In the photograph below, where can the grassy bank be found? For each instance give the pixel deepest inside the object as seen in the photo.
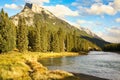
(25, 66)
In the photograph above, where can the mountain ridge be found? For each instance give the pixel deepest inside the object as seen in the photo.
(52, 22)
(30, 9)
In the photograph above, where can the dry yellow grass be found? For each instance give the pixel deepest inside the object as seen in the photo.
(25, 66)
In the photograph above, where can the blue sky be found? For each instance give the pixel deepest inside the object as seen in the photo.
(100, 16)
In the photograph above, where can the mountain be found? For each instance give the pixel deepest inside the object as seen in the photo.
(28, 12)
(33, 12)
(31, 9)
(89, 32)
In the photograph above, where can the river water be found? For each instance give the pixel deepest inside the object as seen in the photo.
(99, 64)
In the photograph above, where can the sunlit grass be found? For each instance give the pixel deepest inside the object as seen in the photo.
(25, 66)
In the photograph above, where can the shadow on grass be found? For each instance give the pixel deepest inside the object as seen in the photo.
(71, 78)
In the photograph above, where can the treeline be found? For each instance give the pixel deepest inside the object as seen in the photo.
(112, 47)
(39, 38)
(7, 33)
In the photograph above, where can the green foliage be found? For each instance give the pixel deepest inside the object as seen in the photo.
(22, 36)
(69, 43)
(37, 37)
(55, 43)
(7, 33)
(44, 40)
(45, 35)
(61, 35)
(112, 47)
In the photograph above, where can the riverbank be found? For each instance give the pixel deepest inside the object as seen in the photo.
(25, 66)
(87, 77)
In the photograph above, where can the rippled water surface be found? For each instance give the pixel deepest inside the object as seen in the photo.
(100, 64)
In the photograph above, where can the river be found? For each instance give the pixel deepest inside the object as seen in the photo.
(99, 64)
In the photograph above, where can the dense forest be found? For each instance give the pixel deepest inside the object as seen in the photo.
(39, 38)
(112, 47)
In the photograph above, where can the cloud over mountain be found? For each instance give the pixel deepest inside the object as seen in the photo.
(13, 6)
(63, 11)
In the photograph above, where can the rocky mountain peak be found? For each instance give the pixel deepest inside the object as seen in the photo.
(37, 9)
(34, 7)
(28, 13)
(29, 5)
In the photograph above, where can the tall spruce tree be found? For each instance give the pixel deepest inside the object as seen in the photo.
(49, 40)
(44, 40)
(75, 40)
(22, 35)
(67, 43)
(37, 38)
(7, 33)
(55, 43)
(31, 38)
(61, 36)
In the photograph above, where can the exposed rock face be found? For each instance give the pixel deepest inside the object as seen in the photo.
(91, 33)
(28, 5)
(88, 32)
(28, 13)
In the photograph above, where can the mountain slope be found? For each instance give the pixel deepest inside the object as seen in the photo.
(33, 12)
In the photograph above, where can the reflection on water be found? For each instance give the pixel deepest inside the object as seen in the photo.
(100, 64)
(58, 61)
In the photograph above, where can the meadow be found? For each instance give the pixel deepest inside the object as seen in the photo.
(25, 66)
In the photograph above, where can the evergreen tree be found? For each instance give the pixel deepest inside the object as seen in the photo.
(61, 36)
(31, 38)
(7, 33)
(49, 40)
(37, 38)
(67, 43)
(22, 35)
(75, 40)
(44, 40)
(55, 43)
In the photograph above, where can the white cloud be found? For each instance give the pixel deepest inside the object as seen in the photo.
(116, 4)
(13, 6)
(38, 1)
(61, 11)
(99, 9)
(111, 34)
(84, 22)
(118, 20)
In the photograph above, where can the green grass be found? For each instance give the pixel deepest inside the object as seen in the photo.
(25, 66)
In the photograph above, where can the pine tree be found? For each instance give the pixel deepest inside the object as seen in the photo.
(61, 36)
(75, 40)
(49, 40)
(37, 38)
(55, 43)
(22, 36)
(44, 40)
(31, 38)
(7, 33)
(68, 43)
